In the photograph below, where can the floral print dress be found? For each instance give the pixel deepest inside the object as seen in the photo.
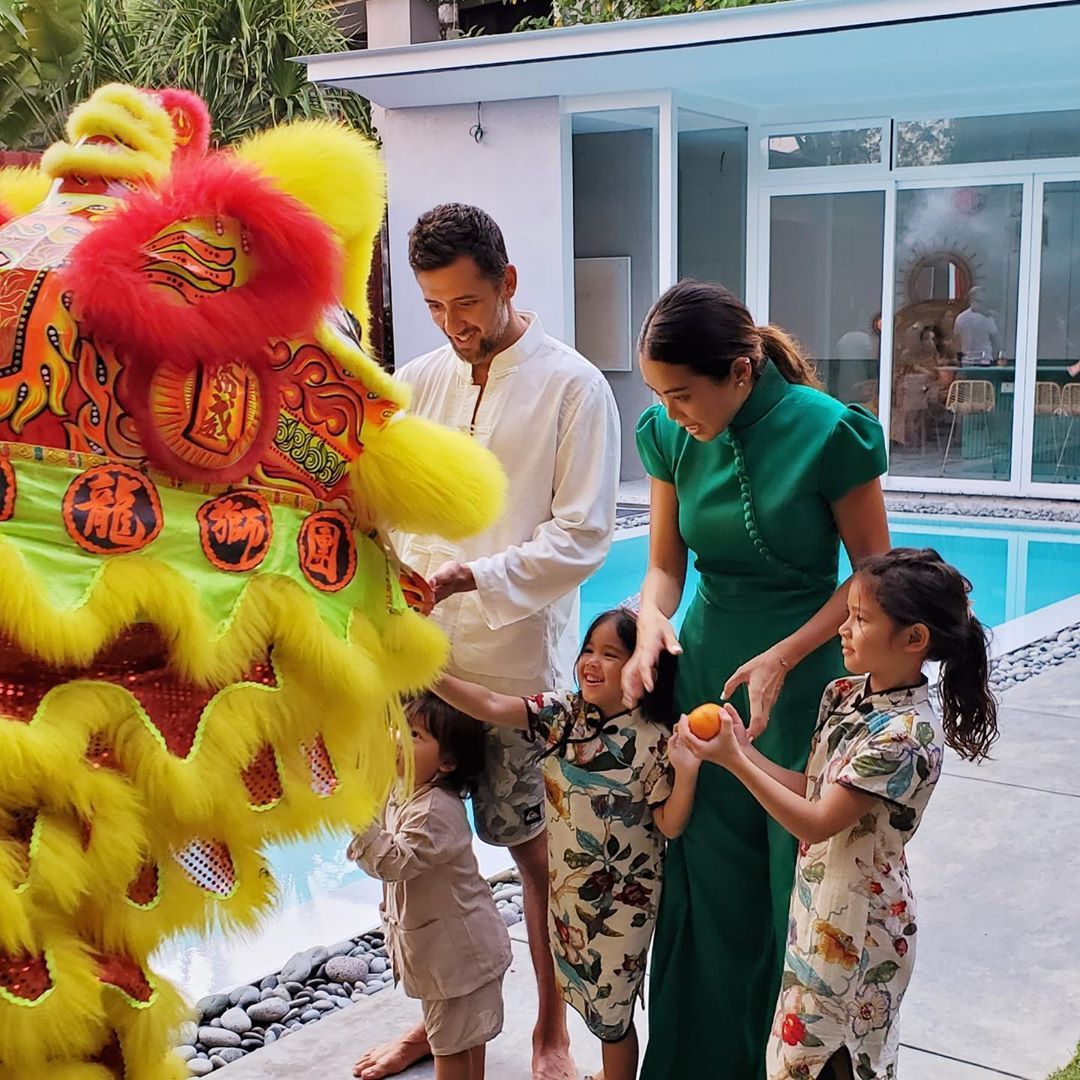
(604, 851)
(851, 940)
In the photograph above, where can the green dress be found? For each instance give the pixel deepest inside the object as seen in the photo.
(755, 510)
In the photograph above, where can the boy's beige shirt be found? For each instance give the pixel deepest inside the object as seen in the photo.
(444, 935)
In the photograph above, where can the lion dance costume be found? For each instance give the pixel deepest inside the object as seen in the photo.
(203, 638)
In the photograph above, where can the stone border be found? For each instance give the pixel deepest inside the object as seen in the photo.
(1007, 509)
(899, 502)
(312, 984)
(1025, 663)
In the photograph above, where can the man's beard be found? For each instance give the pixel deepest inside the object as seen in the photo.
(488, 346)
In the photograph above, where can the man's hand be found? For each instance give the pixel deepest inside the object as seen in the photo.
(452, 577)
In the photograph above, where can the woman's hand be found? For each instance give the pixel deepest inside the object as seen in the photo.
(655, 635)
(764, 677)
(724, 748)
(682, 758)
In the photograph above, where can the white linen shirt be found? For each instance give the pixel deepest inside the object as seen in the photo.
(550, 418)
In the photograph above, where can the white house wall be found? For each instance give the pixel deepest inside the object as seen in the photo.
(514, 173)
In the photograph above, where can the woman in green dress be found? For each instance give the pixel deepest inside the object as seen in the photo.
(761, 475)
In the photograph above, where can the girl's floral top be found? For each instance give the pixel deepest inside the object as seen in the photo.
(604, 851)
(851, 935)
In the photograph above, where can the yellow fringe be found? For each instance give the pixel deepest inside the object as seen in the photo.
(21, 190)
(419, 477)
(155, 804)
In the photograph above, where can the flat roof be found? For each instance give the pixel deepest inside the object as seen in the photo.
(755, 62)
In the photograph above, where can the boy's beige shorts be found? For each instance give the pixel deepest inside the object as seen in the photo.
(456, 1024)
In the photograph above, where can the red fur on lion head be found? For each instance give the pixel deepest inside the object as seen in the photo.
(190, 119)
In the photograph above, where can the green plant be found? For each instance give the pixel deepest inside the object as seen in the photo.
(570, 12)
(234, 53)
(41, 60)
(1071, 1071)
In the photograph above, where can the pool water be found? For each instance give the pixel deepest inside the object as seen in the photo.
(1014, 570)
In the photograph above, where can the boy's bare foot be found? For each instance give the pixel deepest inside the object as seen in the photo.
(553, 1063)
(389, 1059)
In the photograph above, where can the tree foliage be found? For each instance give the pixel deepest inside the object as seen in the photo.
(234, 53)
(571, 12)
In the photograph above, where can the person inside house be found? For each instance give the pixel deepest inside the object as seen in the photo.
(976, 331)
(508, 599)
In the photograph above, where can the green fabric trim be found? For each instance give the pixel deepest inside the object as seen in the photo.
(70, 574)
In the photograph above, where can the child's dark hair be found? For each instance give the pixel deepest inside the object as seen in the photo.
(460, 738)
(657, 706)
(914, 585)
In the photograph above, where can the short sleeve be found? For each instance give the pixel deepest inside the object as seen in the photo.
(890, 764)
(654, 454)
(550, 715)
(659, 781)
(854, 453)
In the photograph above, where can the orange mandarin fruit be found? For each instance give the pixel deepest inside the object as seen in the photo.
(704, 721)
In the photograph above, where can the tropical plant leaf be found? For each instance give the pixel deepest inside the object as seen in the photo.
(233, 53)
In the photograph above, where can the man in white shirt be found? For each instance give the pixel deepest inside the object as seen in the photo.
(508, 599)
(976, 332)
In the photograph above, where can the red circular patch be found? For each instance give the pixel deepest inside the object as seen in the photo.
(327, 550)
(207, 419)
(7, 489)
(236, 530)
(112, 509)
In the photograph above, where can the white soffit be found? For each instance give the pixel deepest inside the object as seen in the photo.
(838, 57)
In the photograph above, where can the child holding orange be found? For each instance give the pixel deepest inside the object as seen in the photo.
(875, 759)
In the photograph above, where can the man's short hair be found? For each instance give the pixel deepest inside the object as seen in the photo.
(443, 235)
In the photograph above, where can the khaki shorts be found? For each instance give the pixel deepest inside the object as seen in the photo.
(456, 1024)
(508, 806)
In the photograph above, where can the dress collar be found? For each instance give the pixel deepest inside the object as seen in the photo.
(899, 697)
(769, 388)
(517, 354)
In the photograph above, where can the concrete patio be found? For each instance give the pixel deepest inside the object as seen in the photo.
(996, 867)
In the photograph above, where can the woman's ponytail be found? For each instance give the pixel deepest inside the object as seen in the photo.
(784, 351)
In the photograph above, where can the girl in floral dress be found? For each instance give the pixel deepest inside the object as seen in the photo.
(618, 781)
(875, 759)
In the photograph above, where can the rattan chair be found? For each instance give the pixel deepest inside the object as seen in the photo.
(968, 397)
(1070, 407)
(1048, 403)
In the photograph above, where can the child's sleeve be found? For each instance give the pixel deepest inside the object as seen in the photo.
(550, 715)
(423, 839)
(891, 763)
(660, 779)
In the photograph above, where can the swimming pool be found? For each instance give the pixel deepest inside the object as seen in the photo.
(1016, 569)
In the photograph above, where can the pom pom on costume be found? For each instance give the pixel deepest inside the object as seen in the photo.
(203, 635)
